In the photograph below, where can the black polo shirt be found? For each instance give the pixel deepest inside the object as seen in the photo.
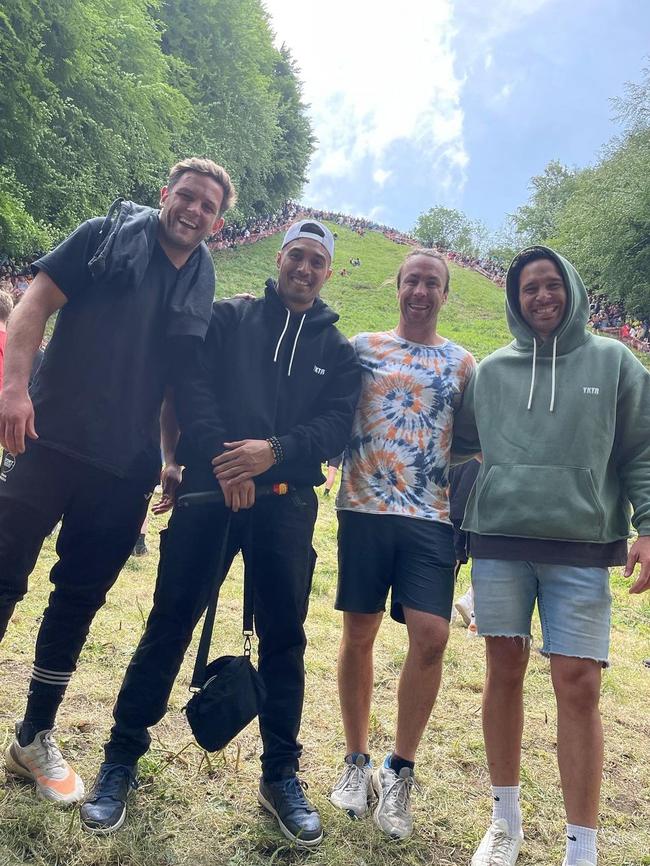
(98, 392)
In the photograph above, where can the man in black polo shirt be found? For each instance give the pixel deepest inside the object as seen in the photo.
(134, 292)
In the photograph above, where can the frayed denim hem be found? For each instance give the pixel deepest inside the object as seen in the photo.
(604, 663)
(526, 639)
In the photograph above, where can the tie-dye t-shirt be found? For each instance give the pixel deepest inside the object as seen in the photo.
(397, 461)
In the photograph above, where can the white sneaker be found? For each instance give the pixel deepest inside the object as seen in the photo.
(465, 606)
(42, 762)
(393, 812)
(498, 847)
(353, 789)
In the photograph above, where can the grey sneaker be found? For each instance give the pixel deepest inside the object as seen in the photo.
(498, 847)
(393, 812)
(42, 763)
(353, 790)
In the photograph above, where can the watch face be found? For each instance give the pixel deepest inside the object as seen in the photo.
(8, 463)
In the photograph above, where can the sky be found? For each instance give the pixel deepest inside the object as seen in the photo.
(456, 102)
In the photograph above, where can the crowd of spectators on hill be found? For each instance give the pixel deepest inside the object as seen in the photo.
(254, 229)
(610, 317)
(15, 277)
(360, 225)
(490, 268)
(604, 315)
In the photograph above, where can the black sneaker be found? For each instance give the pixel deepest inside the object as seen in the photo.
(298, 819)
(104, 810)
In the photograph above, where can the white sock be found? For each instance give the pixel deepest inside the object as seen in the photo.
(505, 804)
(580, 844)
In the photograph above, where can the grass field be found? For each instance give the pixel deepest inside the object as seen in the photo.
(201, 810)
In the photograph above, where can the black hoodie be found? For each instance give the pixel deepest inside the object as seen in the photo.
(265, 372)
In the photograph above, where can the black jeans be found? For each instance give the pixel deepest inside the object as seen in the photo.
(101, 518)
(275, 537)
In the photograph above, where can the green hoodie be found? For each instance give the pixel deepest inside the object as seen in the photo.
(564, 428)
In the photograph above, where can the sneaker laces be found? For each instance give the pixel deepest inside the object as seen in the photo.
(353, 778)
(109, 782)
(49, 756)
(294, 789)
(501, 848)
(398, 794)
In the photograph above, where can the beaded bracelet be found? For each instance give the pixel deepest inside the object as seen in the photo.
(276, 448)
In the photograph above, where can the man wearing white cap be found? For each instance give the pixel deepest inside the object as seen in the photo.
(268, 397)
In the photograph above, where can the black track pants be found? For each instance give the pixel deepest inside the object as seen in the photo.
(101, 518)
(276, 539)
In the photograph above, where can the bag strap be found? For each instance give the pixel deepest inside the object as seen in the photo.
(198, 675)
(247, 621)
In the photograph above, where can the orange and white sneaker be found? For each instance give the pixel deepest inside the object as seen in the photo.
(42, 762)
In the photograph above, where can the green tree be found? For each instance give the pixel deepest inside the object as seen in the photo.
(447, 229)
(536, 222)
(87, 107)
(633, 109)
(296, 142)
(246, 107)
(605, 227)
(20, 233)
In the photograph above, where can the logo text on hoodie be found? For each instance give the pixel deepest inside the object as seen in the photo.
(591, 390)
(319, 370)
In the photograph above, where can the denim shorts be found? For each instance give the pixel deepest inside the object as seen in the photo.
(574, 605)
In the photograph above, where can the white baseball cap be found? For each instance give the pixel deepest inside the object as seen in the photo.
(313, 230)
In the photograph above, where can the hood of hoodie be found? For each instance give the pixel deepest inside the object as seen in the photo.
(571, 332)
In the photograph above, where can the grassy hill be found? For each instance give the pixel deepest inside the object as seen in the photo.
(365, 298)
(200, 810)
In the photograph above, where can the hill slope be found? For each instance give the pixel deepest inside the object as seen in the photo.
(365, 299)
(199, 810)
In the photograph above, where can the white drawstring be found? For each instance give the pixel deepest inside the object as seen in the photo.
(277, 348)
(532, 378)
(552, 406)
(295, 342)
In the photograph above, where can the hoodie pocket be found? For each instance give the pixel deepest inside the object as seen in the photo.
(550, 502)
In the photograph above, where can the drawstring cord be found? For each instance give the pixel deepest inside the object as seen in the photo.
(552, 405)
(277, 348)
(532, 377)
(295, 342)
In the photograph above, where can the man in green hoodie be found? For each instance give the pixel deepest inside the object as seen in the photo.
(563, 419)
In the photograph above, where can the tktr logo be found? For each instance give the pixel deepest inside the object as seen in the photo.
(590, 390)
(319, 370)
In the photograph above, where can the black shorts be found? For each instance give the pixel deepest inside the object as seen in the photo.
(414, 558)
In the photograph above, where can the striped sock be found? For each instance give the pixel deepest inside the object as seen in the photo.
(46, 691)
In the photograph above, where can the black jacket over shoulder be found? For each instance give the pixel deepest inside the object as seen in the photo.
(265, 372)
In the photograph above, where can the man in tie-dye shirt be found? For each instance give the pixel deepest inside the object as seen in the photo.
(395, 533)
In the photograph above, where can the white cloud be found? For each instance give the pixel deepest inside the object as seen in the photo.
(380, 176)
(372, 77)
(376, 212)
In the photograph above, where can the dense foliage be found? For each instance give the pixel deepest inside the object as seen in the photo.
(450, 229)
(100, 97)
